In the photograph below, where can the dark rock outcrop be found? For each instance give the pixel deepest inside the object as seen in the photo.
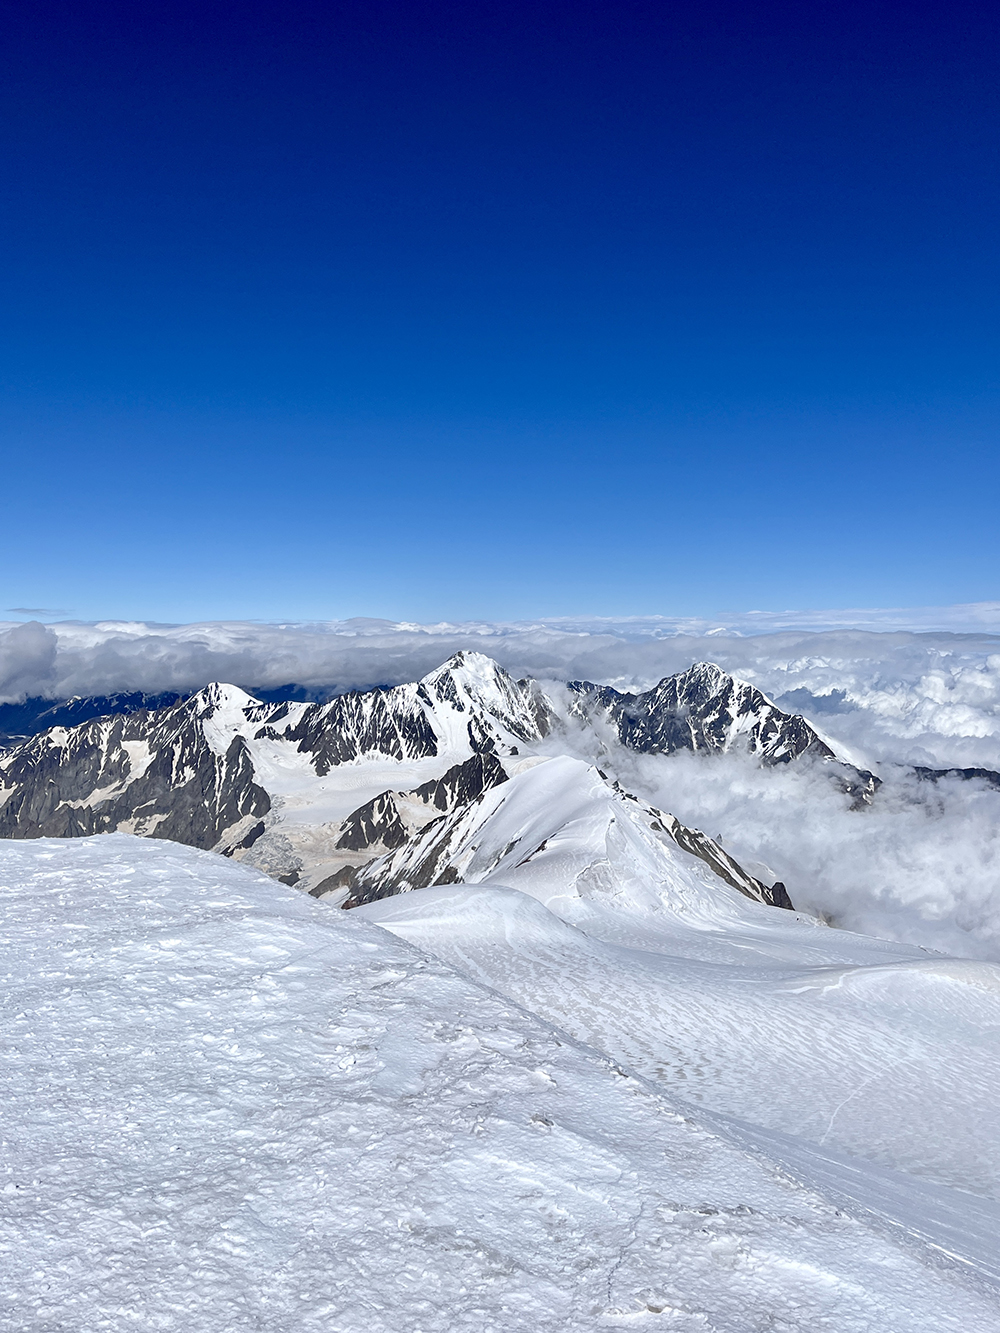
(149, 773)
(987, 775)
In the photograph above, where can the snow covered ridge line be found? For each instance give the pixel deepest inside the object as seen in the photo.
(557, 826)
(376, 792)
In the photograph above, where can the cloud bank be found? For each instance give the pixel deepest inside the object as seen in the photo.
(896, 695)
(921, 865)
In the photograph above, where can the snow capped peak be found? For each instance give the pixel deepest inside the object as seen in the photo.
(476, 684)
(708, 672)
(219, 696)
(474, 673)
(703, 681)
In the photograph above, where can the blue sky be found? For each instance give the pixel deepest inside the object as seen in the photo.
(441, 311)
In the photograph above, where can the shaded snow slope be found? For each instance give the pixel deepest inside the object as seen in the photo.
(229, 1107)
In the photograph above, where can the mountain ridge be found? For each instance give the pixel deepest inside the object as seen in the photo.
(704, 708)
(316, 793)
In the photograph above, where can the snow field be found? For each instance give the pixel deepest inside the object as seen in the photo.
(230, 1107)
(893, 1060)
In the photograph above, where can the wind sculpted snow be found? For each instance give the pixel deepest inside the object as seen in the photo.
(231, 1107)
(879, 1051)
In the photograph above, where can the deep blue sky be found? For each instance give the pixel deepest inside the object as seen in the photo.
(425, 310)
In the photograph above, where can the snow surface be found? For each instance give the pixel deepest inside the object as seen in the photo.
(894, 1059)
(229, 1107)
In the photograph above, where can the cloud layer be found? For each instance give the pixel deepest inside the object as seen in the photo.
(899, 695)
(920, 865)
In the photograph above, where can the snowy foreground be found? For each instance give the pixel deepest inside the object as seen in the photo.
(229, 1106)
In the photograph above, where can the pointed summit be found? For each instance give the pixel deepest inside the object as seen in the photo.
(706, 709)
(476, 684)
(219, 696)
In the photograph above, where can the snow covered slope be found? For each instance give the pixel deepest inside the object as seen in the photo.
(875, 1050)
(561, 826)
(228, 1107)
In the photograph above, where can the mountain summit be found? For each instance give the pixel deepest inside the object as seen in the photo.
(705, 709)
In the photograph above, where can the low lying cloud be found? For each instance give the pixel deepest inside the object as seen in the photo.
(28, 655)
(888, 696)
(921, 865)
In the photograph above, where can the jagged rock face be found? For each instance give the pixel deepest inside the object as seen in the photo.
(708, 850)
(377, 821)
(394, 724)
(462, 783)
(705, 709)
(149, 773)
(470, 701)
(392, 819)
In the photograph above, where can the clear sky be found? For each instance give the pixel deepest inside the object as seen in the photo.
(489, 309)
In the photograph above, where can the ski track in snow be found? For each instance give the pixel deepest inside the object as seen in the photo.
(230, 1107)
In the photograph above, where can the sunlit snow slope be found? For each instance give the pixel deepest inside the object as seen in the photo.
(572, 908)
(229, 1107)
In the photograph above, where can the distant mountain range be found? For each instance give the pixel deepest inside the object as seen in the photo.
(35, 715)
(377, 792)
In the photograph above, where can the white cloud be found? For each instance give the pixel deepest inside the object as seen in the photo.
(28, 656)
(920, 865)
(904, 695)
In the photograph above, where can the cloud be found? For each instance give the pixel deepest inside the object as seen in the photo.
(919, 866)
(887, 696)
(37, 611)
(28, 656)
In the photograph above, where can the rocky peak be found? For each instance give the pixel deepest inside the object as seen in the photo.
(474, 683)
(706, 709)
(219, 697)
